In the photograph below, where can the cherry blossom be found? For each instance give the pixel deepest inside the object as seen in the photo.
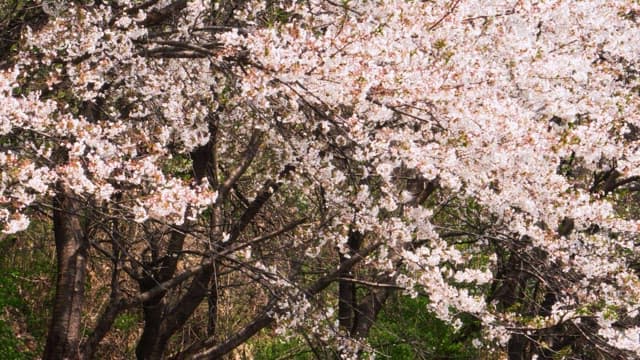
(396, 120)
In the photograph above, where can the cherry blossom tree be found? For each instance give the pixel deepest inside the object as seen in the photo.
(483, 154)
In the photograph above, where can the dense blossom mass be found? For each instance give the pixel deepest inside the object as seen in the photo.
(526, 113)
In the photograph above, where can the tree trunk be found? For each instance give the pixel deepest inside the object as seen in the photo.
(148, 347)
(367, 312)
(63, 340)
(346, 288)
(518, 348)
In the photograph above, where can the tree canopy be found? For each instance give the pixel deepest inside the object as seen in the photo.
(309, 159)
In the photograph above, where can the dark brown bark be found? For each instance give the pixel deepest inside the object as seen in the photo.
(165, 14)
(346, 303)
(268, 189)
(162, 325)
(150, 345)
(63, 340)
(237, 339)
(147, 347)
(204, 158)
(263, 320)
(518, 348)
(184, 308)
(104, 324)
(161, 321)
(367, 312)
(108, 316)
(153, 306)
(508, 287)
(347, 289)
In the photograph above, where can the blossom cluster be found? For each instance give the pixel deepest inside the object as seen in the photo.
(485, 100)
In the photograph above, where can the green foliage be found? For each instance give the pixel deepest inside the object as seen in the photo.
(280, 348)
(10, 301)
(8, 292)
(275, 15)
(9, 297)
(14, 15)
(9, 344)
(179, 166)
(126, 322)
(27, 270)
(406, 330)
